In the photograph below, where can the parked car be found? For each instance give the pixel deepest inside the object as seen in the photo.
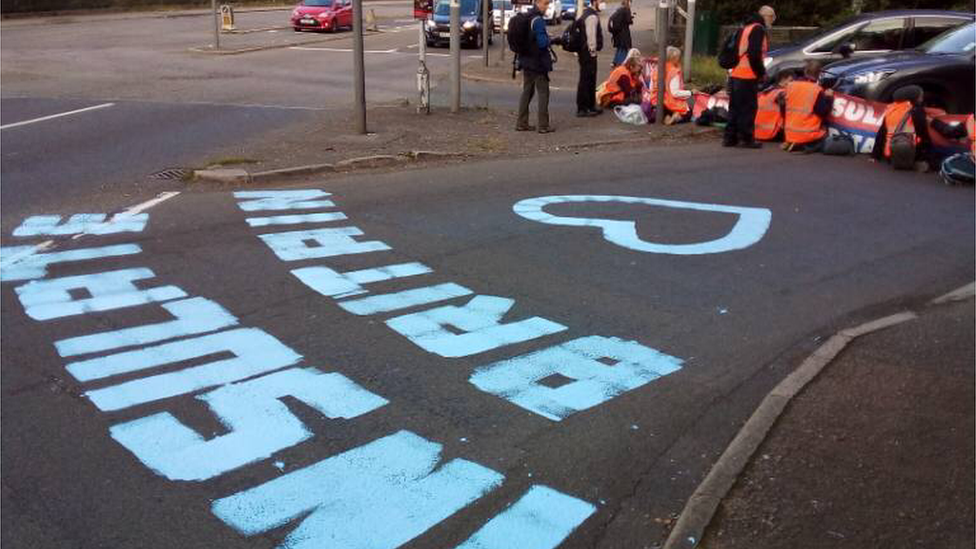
(866, 35)
(324, 15)
(498, 22)
(554, 13)
(569, 8)
(438, 28)
(945, 67)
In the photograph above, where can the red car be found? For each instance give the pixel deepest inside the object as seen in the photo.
(326, 15)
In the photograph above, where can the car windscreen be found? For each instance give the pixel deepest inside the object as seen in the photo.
(959, 40)
(468, 7)
(498, 5)
(318, 3)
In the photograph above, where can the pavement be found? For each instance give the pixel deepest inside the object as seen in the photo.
(876, 451)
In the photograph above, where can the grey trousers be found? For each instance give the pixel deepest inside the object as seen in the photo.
(531, 83)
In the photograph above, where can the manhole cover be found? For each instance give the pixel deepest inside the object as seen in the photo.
(171, 173)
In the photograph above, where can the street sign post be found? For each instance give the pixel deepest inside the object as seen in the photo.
(455, 56)
(359, 70)
(661, 31)
(216, 24)
(422, 10)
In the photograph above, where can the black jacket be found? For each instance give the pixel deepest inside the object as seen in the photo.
(755, 51)
(619, 25)
(538, 58)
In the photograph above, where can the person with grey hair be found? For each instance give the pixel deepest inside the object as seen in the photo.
(677, 100)
(744, 80)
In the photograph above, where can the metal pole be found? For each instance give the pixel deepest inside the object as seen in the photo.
(423, 75)
(455, 56)
(689, 38)
(213, 6)
(661, 31)
(359, 71)
(504, 34)
(486, 19)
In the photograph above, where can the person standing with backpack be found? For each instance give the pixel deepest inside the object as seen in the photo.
(744, 80)
(619, 27)
(591, 33)
(531, 45)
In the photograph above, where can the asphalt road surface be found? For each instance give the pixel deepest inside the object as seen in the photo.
(527, 372)
(534, 353)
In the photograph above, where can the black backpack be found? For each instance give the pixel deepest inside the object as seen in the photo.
(728, 55)
(573, 40)
(572, 37)
(520, 33)
(902, 146)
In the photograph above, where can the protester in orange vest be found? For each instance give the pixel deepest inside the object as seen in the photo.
(906, 107)
(807, 107)
(772, 111)
(623, 86)
(744, 80)
(677, 107)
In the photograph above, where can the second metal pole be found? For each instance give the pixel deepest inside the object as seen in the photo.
(689, 38)
(455, 56)
(661, 31)
(359, 71)
(486, 30)
(213, 6)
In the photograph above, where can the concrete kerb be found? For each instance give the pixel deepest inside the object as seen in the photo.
(224, 51)
(238, 176)
(701, 506)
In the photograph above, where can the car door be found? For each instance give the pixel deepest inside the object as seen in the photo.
(924, 28)
(345, 12)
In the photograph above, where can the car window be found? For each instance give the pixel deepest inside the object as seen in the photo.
(961, 40)
(927, 28)
(468, 7)
(883, 34)
(318, 3)
(829, 45)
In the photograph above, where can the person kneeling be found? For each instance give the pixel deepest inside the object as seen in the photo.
(905, 125)
(623, 86)
(807, 106)
(677, 100)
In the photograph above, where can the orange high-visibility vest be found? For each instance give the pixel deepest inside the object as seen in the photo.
(971, 131)
(769, 119)
(802, 124)
(675, 78)
(893, 116)
(744, 69)
(613, 94)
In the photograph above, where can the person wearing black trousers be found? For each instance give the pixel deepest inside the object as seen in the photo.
(744, 80)
(592, 43)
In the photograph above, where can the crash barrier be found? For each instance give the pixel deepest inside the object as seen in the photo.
(859, 118)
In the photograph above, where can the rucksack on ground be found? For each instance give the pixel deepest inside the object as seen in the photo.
(958, 169)
(728, 55)
(520, 33)
(902, 146)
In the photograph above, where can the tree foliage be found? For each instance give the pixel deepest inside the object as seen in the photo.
(820, 12)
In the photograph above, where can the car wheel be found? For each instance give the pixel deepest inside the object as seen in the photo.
(297, 29)
(334, 26)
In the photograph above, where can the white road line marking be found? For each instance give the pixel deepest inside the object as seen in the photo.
(43, 118)
(133, 210)
(341, 50)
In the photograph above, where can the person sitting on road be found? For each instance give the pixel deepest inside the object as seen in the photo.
(807, 106)
(677, 100)
(772, 112)
(906, 115)
(623, 86)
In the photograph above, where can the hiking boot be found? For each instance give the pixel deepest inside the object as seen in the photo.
(751, 145)
(547, 130)
(526, 128)
(730, 143)
(585, 114)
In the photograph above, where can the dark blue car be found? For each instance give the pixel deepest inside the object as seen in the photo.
(945, 67)
(438, 27)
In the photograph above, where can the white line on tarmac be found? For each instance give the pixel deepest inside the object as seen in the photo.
(43, 118)
(133, 210)
(340, 50)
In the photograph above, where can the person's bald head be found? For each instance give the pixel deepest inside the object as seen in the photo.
(768, 14)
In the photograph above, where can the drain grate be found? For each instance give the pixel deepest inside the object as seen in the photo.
(171, 174)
